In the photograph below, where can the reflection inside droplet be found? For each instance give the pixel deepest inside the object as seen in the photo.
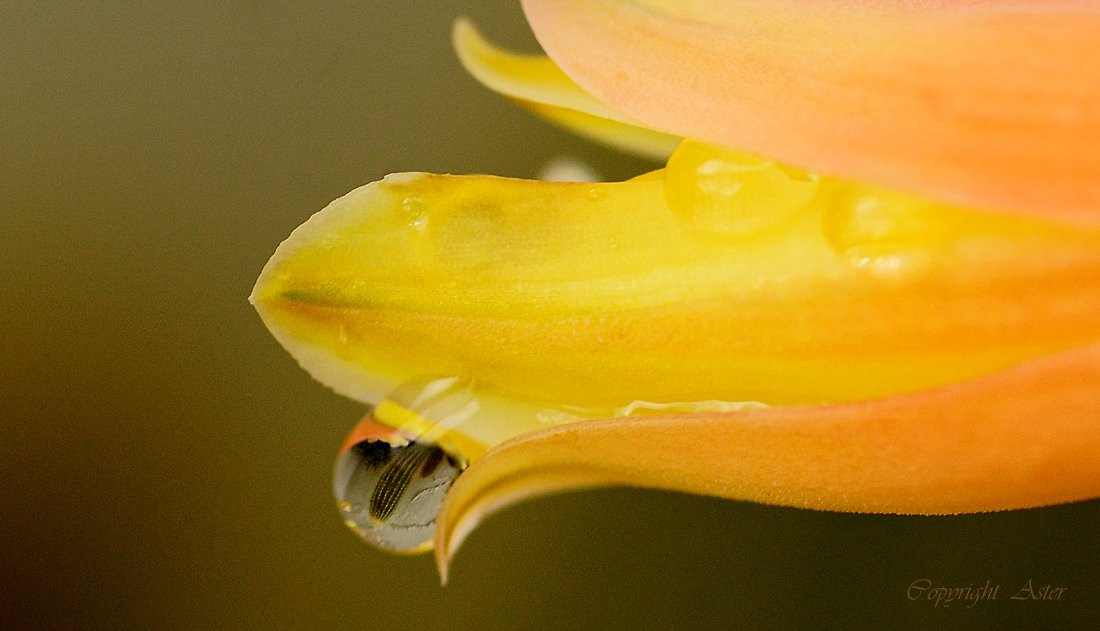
(400, 460)
(390, 493)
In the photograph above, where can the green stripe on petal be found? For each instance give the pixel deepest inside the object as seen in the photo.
(604, 294)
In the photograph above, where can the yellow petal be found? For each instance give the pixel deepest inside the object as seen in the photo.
(985, 104)
(536, 83)
(1023, 438)
(603, 294)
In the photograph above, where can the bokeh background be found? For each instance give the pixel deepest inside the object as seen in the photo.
(166, 465)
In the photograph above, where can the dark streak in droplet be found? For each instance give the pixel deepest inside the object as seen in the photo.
(395, 480)
(435, 457)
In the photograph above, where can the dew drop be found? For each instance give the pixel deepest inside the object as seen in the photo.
(390, 495)
(411, 204)
(413, 209)
(721, 190)
(882, 232)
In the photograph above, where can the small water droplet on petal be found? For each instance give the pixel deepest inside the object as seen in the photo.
(725, 191)
(881, 232)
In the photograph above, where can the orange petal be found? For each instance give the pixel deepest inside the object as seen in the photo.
(1021, 438)
(982, 103)
(536, 83)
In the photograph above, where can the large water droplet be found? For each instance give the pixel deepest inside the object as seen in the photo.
(399, 461)
(390, 494)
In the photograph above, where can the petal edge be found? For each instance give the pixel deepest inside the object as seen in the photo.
(1022, 438)
(982, 105)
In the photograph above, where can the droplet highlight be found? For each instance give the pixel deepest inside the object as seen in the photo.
(413, 209)
(882, 232)
(720, 190)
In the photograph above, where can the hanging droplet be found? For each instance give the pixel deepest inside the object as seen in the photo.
(389, 489)
(398, 463)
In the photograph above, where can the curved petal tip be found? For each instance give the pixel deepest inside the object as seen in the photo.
(1022, 438)
(537, 84)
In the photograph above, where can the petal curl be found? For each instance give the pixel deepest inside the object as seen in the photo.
(536, 83)
(1022, 438)
(986, 104)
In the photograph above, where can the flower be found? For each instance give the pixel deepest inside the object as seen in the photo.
(912, 331)
(988, 104)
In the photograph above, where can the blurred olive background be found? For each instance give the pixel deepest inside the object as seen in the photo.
(166, 465)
